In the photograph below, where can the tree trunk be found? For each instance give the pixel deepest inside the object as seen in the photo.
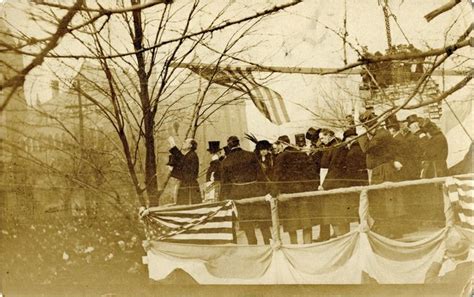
(151, 181)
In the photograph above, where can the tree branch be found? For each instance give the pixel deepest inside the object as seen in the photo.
(208, 30)
(430, 16)
(16, 81)
(105, 11)
(445, 94)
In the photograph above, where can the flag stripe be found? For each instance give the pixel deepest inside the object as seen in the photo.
(195, 212)
(467, 219)
(199, 207)
(212, 223)
(467, 205)
(209, 231)
(198, 241)
(272, 110)
(201, 236)
(282, 107)
(461, 194)
(267, 96)
(220, 217)
(266, 100)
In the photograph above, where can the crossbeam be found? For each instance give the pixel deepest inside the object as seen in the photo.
(303, 70)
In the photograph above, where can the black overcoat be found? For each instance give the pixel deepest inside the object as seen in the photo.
(186, 171)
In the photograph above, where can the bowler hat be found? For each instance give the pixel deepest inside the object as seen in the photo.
(283, 138)
(214, 146)
(233, 141)
(412, 119)
(312, 134)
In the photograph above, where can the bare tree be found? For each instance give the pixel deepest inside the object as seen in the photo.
(140, 83)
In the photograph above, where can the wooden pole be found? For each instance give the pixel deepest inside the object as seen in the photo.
(355, 189)
(275, 221)
(301, 70)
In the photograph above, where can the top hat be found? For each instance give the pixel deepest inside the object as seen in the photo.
(392, 122)
(283, 138)
(349, 132)
(312, 134)
(300, 139)
(263, 145)
(214, 146)
(456, 245)
(412, 119)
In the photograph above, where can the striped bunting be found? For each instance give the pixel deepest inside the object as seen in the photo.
(461, 195)
(267, 101)
(198, 224)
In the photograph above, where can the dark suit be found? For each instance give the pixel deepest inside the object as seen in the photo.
(355, 173)
(333, 159)
(409, 153)
(239, 174)
(380, 155)
(214, 167)
(291, 171)
(240, 170)
(292, 175)
(386, 206)
(186, 171)
(436, 153)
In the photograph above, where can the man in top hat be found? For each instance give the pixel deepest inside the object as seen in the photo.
(455, 265)
(213, 173)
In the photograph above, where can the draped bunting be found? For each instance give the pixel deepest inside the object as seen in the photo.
(338, 261)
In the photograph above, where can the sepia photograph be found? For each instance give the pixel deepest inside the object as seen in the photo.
(236, 148)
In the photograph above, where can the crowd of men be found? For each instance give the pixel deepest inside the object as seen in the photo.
(318, 160)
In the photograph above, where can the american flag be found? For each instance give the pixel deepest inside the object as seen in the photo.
(267, 101)
(461, 195)
(198, 224)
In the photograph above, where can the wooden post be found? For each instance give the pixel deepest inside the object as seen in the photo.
(365, 220)
(275, 221)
